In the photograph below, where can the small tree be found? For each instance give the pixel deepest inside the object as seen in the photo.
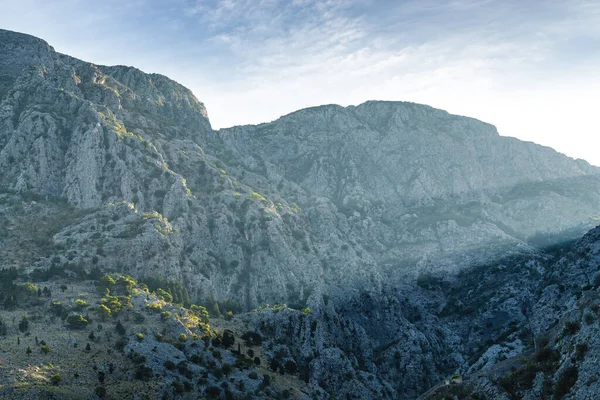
(63, 288)
(104, 312)
(28, 350)
(24, 324)
(228, 338)
(120, 328)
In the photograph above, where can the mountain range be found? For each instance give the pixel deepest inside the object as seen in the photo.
(414, 236)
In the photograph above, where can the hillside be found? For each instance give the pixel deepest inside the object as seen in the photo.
(401, 227)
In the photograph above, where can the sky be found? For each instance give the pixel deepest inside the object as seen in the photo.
(530, 67)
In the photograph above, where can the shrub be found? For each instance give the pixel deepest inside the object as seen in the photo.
(45, 349)
(580, 350)
(103, 311)
(24, 324)
(178, 386)
(183, 338)
(571, 328)
(80, 304)
(120, 328)
(139, 336)
(165, 315)
(156, 307)
(113, 303)
(163, 295)
(100, 391)
(143, 373)
(170, 365)
(213, 391)
(228, 338)
(77, 321)
(56, 379)
(565, 382)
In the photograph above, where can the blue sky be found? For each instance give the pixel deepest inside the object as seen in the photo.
(530, 67)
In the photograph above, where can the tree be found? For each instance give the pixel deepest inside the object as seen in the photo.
(201, 313)
(228, 338)
(214, 310)
(91, 336)
(120, 328)
(28, 350)
(163, 295)
(63, 287)
(103, 311)
(274, 365)
(24, 324)
(88, 347)
(290, 367)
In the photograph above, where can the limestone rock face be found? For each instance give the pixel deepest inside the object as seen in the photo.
(340, 209)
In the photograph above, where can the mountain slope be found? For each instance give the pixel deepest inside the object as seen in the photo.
(340, 209)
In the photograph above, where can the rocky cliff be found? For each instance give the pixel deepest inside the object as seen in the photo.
(341, 209)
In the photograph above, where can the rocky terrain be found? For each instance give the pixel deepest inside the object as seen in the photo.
(424, 244)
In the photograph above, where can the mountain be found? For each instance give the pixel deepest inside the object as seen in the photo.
(387, 211)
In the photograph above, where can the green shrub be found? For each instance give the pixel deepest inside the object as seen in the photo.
(156, 307)
(80, 304)
(56, 379)
(165, 315)
(77, 321)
